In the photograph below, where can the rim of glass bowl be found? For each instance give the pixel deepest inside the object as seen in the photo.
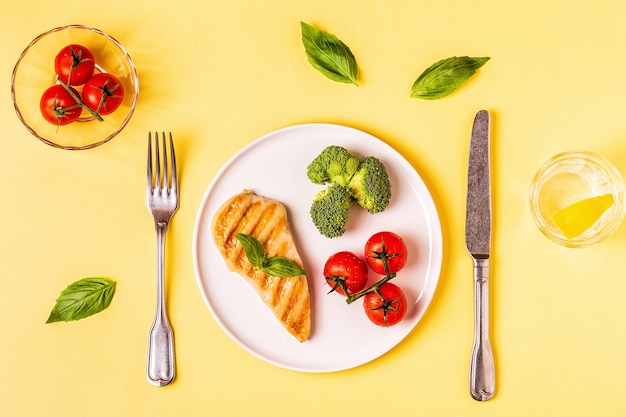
(133, 71)
(615, 178)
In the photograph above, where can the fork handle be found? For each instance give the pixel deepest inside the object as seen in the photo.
(160, 369)
(160, 353)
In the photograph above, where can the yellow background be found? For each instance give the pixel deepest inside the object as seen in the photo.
(219, 74)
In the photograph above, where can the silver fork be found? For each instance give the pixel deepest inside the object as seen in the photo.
(162, 201)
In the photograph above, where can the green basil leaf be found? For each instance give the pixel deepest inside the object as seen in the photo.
(82, 298)
(277, 266)
(281, 267)
(253, 249)
(445, 76)
(329, 55)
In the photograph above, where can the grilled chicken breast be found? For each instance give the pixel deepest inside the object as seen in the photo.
(265, 220)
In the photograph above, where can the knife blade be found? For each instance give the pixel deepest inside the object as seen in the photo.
(478, 243)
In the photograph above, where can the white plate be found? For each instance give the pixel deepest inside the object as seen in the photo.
(342, 337)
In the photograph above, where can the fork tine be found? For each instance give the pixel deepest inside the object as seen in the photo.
(166, 176)
(158, 161)
(173, 159)
(149, 179)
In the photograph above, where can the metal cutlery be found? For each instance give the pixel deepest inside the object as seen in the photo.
(478, 242)
(162, 201)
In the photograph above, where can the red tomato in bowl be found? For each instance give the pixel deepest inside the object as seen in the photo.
(387, 306)
(346, 273)
(74, 64)
(103, 93)
(58, 106)
(385, 248)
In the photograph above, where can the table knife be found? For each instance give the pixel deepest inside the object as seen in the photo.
(478, 242)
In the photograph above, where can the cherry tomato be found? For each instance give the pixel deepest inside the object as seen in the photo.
(387, 306)
(385, 248)
(103, 93)
(346, 273)
(58, 106)
(74, 64)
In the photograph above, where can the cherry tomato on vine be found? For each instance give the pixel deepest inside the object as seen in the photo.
(346, 273)
(387, 306)
(103, 93)
(385, 247)
(58, 106)
(74, 64)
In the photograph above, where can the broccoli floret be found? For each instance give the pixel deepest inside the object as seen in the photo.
(334, 164)
(370, 185)
(329, 210)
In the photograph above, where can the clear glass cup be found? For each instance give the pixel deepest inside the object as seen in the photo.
(570, 177)
(34, 73)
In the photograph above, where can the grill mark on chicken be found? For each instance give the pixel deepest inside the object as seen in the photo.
(279, 291)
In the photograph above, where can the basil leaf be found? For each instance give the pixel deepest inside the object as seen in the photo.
(445, 76)
(253, 249)
(329, 55)
(277, 266)
(82, 298)
(281, 267)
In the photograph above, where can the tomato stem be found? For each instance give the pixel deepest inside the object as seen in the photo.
(384, 256)
(79, 100)
(387, 305)
(339, 282)
(106, 93)
(372, 288)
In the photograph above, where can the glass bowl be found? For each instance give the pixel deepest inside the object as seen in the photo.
(570, 177)
(34, 73)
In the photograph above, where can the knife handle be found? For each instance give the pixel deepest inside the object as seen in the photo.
(482, 370)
